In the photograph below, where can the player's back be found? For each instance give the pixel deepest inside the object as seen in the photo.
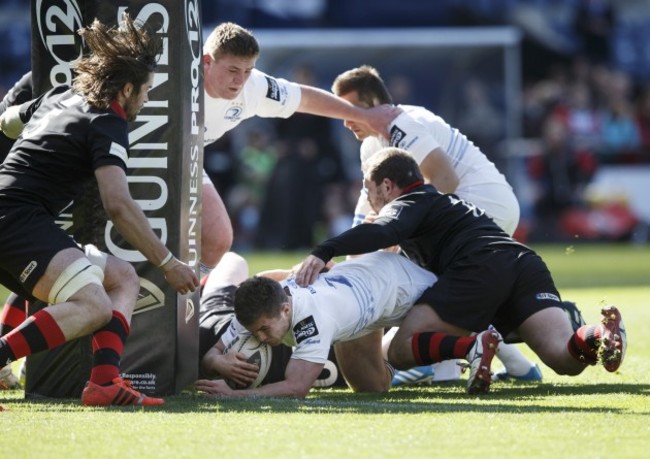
(362, 294)
(61, 144)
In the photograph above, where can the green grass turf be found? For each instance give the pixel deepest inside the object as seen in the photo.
(594, 415)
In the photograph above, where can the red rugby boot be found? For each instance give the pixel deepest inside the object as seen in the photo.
(119, 393)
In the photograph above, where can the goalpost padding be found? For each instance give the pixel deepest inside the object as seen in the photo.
(165, 175)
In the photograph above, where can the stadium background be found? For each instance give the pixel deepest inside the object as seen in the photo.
(559, 100)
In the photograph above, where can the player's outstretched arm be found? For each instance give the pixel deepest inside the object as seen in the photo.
(130, 222)
(300, 376)
(319, 102)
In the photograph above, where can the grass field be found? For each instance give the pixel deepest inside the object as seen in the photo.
(594, 415)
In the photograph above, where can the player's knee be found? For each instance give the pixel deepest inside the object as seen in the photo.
(101, 314)
(118, 274)
(124, 275)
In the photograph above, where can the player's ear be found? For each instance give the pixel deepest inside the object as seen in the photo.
(286, 308)
(127, 89)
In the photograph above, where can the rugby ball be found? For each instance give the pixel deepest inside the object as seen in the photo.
(257, 353)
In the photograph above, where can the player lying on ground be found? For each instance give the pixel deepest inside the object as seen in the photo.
(347, 307)
(216, 312)
(484, 276)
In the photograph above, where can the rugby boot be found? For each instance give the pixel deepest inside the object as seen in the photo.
(119, 393)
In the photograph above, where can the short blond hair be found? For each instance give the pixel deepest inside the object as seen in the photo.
(230, 39)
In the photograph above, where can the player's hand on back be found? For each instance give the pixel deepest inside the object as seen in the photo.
(180, 276)
(308, 271)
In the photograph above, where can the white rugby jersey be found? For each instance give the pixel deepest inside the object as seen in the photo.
(419, 131)
(357, 296)
(262, 95)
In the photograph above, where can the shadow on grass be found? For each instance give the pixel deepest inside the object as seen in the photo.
(445, 397)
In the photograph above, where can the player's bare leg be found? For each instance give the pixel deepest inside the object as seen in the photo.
(216, 228)
(547, 332)
(424, 338)
(362, 364)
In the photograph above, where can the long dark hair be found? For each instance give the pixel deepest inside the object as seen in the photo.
(117, 56)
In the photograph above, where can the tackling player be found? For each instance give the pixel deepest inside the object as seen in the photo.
(73, 135)
(448, 160)
(484, 276)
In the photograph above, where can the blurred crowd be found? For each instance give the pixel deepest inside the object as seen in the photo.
(585, 106)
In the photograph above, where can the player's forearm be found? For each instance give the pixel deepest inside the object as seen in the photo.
(364, 238)
(316, 101)
(279, 389)
(131, 223)
(210, 364)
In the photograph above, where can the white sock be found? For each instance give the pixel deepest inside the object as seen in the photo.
(515, 362)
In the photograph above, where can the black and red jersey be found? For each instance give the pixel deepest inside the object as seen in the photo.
(431, 228)
(64, 140)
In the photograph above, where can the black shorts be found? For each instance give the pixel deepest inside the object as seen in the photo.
(29, 239)
(501, 287)
(216, 311)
